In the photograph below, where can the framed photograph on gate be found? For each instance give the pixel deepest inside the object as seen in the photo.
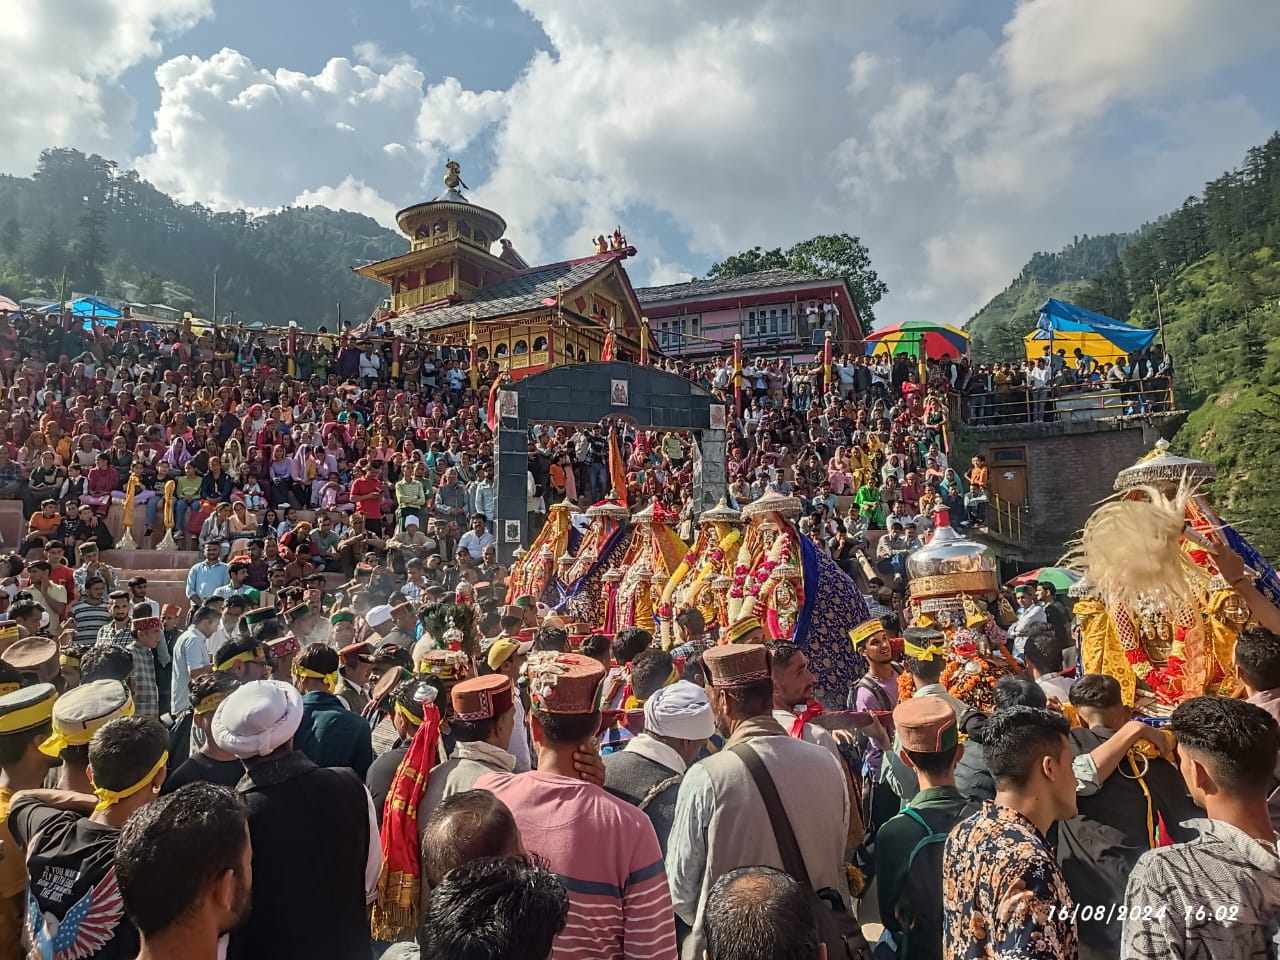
(510, 531)
(620, 393)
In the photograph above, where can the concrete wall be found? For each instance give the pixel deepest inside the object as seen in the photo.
(1070, 469)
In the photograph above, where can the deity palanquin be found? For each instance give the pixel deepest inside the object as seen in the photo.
(798, 593)
(1176, 641)
(579, 585)
(654, 553)
(532, 574)
(692, 583)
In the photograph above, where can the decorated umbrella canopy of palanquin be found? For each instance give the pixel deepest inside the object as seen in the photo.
(937, 339)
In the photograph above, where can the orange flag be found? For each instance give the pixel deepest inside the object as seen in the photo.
(617, 467)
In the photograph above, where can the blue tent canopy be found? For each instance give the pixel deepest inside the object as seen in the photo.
(1066, 321)
(90, 308)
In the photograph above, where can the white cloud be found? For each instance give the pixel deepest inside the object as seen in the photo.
(230, 134)
(351, 194)
(61, 71)
(954, 150)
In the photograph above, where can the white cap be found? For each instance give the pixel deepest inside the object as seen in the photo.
(411, 521)
(681, 711)
(378, 616)
(257, 718)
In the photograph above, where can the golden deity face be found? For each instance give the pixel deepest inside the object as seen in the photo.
(1235, 611)
(1156, 636)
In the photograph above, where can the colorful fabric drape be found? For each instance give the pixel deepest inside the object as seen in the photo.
(827, 377)
(395, 912)
(833, 606)
(644, 341)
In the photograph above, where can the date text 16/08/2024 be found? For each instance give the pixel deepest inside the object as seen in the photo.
(1118, 913)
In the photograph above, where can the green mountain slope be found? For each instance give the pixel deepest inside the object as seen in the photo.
(1216, 265)
(105, 228)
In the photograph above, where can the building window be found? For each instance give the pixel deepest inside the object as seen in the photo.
(539, 343)
(568, 350)
(500, 350)
(482, 353)
(521, 348)
(582, 356)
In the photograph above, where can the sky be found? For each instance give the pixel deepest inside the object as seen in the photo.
(955, 137)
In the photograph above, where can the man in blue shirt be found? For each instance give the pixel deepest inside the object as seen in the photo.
(207, 575)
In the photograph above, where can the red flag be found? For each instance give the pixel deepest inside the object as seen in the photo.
(617, 467)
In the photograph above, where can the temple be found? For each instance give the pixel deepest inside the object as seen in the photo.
(451, 289)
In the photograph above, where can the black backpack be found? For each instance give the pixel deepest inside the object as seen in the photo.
(919, 906)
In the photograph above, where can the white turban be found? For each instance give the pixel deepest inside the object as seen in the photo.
(378, 616)
(257, 718)
(680, 711)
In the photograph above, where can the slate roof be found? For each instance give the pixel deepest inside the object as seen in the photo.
(749, 281)
(517, 294)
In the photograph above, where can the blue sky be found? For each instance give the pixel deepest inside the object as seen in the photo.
(954, 136)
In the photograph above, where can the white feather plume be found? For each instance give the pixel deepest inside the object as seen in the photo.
(1131, 549)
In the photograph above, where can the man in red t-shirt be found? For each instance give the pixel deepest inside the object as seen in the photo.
(366, 493)
(59, 572)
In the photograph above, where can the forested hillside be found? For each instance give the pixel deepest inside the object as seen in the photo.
(101, 227)
(1216, 264)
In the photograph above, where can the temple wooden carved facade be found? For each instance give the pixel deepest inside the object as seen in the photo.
(451, 289)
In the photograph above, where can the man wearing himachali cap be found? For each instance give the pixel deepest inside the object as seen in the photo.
(604, 850)
(721, 821)
(316, 853)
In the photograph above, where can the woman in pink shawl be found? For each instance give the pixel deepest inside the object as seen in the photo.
(99, 484)
(837, 474)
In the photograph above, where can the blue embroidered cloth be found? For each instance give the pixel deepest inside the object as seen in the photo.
(833, 606)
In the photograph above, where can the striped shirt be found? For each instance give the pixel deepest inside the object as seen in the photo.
(90, 618)
(607, 856)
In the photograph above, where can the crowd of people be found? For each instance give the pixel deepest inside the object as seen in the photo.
(349, 742)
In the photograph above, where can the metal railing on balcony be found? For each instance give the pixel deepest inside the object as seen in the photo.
(1065, 404)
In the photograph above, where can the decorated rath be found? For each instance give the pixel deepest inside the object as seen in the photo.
(955, 588)
(653, 555)
(798, 593)
(1154, 611)
(703, 576)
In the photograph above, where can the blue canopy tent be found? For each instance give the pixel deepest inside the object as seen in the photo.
(1064, 326)
(90, 308)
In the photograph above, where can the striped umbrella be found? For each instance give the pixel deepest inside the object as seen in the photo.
(908, 336)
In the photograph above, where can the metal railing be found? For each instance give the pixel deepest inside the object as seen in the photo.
(1008, 520)
(1070, 404)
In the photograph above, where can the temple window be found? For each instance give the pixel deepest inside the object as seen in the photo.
(440, 227)
(539, 343)
(482, 238)
(463, 230)
(521, 348)
(483, 353)
(500, 350)
(568, 350)
(582, 356)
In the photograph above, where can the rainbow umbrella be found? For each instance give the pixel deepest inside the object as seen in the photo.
(908, 336)
(1062, 579)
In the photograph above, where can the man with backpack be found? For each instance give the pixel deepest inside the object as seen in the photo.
(909, 846)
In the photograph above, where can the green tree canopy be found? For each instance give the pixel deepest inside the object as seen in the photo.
(828, 255)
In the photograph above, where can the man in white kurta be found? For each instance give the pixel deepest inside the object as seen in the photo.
(720, 819)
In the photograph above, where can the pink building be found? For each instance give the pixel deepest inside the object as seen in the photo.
(779, 313)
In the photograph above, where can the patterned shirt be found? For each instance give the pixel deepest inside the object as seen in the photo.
(1002, 892)
(1216, 897)
(90, 618)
